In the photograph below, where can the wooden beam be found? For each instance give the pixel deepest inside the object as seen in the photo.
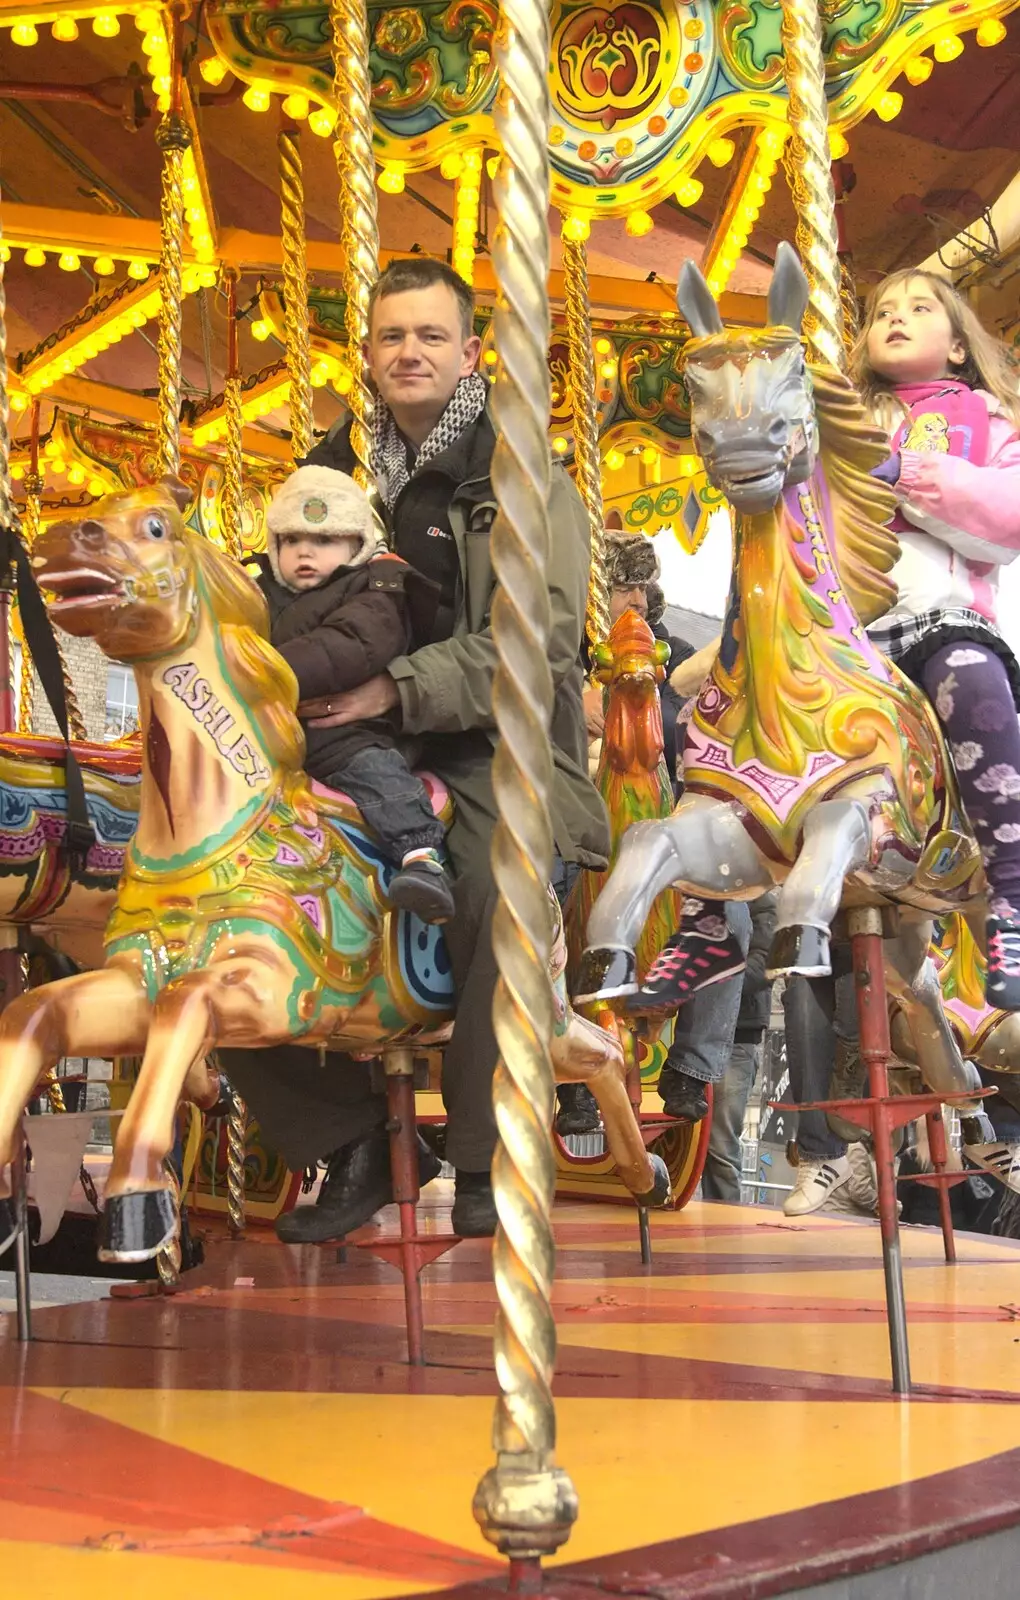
(126, 237)
(103, 400)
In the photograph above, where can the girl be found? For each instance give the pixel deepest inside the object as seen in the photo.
(944, 389)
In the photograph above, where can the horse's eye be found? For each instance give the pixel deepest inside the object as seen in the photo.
(155, 527)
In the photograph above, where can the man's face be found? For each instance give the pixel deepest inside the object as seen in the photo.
(633, 599)
(416, 350)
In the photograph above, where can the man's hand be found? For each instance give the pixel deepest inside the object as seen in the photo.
(373, 698)
(593, 714)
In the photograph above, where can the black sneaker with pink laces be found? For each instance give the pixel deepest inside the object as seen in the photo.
(1002, 983)
(702, 951)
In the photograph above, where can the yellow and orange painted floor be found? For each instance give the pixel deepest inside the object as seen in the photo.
(723, 1412)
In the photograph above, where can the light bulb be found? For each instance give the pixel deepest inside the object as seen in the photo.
(948, 47)
(213, 70)
(297, 107)
(638, 224)
(838, 146)
(918, 70)
(608, 369)
(689, 192)
(68, 261)
(138, 269)
(96, 487)
(261, 330)
(615, 459)
(391, 179)
(991, 31)
(25, 33)
(720, 152)
(76, 474)
(34, 257)
(104, 266)
(889, 105)
(65, 29)
(649, 455)
(257, 99)
(106, 25)
(452, 165)
(576, 227)
(322, 121)
(560, 445)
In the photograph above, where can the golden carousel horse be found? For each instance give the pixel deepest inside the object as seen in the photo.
(810, 761)
(252, 906)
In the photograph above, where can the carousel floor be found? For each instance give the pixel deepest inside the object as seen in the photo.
(725, 1415)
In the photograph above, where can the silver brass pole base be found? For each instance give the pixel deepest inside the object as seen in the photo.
(525, 1510)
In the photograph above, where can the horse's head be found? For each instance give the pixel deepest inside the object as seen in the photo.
(632, 664)
(752, 409)
(124, 573)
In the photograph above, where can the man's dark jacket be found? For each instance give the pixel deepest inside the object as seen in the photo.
(445, 683)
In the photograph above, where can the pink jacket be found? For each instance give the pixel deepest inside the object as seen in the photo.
(966, 524)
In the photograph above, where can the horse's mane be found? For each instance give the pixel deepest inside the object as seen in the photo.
(263, 678)
(866, 550)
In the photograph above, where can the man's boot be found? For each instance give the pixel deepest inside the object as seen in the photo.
(358, 1183)
(474, 1206)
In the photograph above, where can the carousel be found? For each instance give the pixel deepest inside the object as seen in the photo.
(636, 195)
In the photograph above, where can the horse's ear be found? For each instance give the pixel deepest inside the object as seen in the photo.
(179, 492)
(788, 291)
(694, 298)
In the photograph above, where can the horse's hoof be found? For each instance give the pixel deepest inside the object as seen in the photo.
(135, 1227)
(660, 1194)
(607, 973)
(799, 948)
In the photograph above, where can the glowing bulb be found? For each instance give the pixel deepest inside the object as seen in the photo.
(96, 487)
(297, 107)
(34, 257)
(918, 70)
(948, 48)
(25, 33)
(689, 192)
(490, 358)
(688, 466)
(608, 369)
(615, 459)
(322, 121)
(319, 376)
(649, 455)
(452, 165)
(213, 70)
(138, 269)
(257, 99)
(838, 146)
(207, 277)
(148, 19)
(68, 262)
(576, 227)
(560, 445)
(991, 31)
(261, 330)
(771, 142)
(17, 472)
(889, 105)
(638, 224)
(106, 25)
(104, 266)
(58, 466)
(391, 178)
(19, 400)
(154, 43)
(5, 252)
(65, 29)
(603, 346)
(720, 152)
(76, 474)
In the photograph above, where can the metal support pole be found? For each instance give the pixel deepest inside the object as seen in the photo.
(22, 1268)
(865, 925)
(399, 1068)
(940, 1159)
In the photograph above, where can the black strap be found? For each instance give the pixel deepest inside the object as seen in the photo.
(41, 642)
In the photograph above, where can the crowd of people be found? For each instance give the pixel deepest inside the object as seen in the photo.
(381, 605)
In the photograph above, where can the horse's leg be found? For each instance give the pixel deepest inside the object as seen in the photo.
(588, 1054)
(836, 842)
(702, 847)
(103, 1013)
(913, 983)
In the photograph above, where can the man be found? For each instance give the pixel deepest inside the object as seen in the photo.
(432, 450)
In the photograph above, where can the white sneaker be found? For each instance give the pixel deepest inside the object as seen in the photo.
(1001, 1160)
(816, 1180)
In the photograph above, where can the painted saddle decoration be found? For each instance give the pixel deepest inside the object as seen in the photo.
(251, 909)
(810, 761)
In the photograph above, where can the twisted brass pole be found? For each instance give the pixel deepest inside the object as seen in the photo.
(173, 137)
(29, 532)
(809, 167)
(8, 514)
(237, 1129)
(233, 454)
(586, 428)
(525, 1505)
(295, 291)
(358, 209)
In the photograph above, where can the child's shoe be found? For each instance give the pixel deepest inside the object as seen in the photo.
(702, 951)
(422, 886)
(1002, 984)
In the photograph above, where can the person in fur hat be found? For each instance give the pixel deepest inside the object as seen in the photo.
(339, 615)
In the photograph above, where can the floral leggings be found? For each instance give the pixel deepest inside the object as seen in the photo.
(969, 687)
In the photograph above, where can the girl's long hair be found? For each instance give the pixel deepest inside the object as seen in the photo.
(987, 365)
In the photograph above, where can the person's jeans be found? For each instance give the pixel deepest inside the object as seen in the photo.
(391, 798)
(704, 1027)
(818, 1011)
(721, 1177)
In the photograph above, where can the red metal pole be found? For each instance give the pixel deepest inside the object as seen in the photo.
(865, 926)
(940, 1160)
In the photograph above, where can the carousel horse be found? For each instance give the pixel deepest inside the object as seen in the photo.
(251, 909)
(810, 761)
(631, 776)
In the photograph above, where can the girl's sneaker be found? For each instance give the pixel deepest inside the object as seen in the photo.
(696, 956)
(1002, 984)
